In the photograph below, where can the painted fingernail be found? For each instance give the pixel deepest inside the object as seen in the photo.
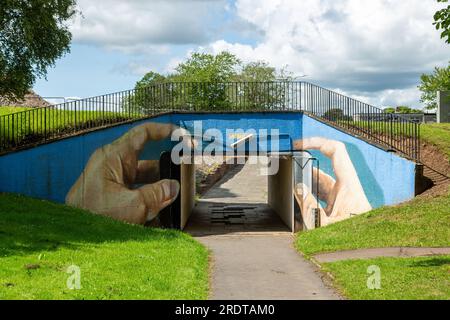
(171, 188)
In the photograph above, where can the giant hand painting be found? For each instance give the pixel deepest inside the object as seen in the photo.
(344, 195)
(108, 183)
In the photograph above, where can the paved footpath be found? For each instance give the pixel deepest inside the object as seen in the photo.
(252, 251)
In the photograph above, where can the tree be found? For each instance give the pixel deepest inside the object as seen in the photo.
(204, 67)
(205, 81)
(389, 110)
(402, 110)
(206, 76)
(33, 35)
(258, 71)
(149, 93)
(442, 21)
(149, 79)
(432, 83)
(406, 110)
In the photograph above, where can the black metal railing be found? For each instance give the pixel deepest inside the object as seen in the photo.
(48, 123)
(366, 121)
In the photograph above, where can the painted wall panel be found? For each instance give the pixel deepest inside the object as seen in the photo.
(49, 171)
(386, 178)
(373, 177)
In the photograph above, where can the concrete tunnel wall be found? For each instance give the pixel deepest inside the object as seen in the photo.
(187, 192)
(280, 196)
(48, 171)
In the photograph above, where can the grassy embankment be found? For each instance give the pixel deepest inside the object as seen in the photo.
(40, 241)
(419, 223)
(17, 125)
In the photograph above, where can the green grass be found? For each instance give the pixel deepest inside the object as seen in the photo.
(401, 279)
(8, 110)
(419, 223)
(19, 124)
(437, 134)
(39, 240)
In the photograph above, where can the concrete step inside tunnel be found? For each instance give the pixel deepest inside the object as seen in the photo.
(238, 203)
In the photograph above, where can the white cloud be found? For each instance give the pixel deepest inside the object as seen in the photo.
(387, 98)
(371, 49)
(142, 26)
(375, 49)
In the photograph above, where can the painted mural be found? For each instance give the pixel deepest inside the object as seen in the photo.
(108, 184)
(335, 199)
(115, 171)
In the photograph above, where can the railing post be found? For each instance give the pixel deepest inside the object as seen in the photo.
(391, 131)
(12, 130)
(45, 124)
(418, 155)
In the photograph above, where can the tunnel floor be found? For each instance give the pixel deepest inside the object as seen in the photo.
(236, 204)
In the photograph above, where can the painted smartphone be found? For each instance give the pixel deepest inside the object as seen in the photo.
(170, 217)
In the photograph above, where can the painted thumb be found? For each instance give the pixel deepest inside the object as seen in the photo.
(159, 195)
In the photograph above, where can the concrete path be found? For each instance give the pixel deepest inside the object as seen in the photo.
(379, 253)
(252, 251)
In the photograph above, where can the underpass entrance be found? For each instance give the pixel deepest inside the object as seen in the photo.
(246, 200)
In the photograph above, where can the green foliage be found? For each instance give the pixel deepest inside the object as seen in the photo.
(432, 83)
(149, 79)
(259, 71)
(390, 110)
(203, 67)
(31, 124)
(442, 21)
(207, 82)
(39, 240)
(33, 35)
(213, 71)
(402, 110)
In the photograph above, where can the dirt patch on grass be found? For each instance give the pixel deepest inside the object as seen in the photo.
(438, 167)
(436, 190)
(433, 157)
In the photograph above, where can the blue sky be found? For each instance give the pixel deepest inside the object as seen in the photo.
(372, 50)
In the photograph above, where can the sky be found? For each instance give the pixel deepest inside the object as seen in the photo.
(373, 50)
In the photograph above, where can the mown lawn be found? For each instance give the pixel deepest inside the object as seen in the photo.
(401, 279)
(40, 241)
(8, 110)
(419, 223)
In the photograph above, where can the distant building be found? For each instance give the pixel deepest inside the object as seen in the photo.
(31, 100)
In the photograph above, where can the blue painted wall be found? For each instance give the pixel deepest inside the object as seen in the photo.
(387, 179)
(48, 171)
